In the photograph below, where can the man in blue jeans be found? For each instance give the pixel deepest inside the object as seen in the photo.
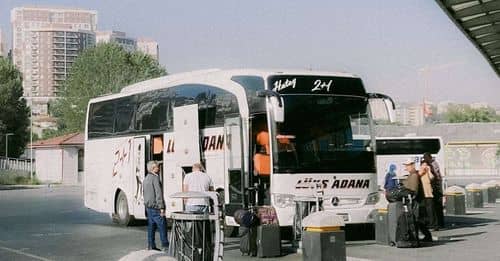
(155, 206)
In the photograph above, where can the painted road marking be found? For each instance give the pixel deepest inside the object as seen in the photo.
(24, 253)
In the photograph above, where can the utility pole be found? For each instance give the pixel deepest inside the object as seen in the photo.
(7, 144)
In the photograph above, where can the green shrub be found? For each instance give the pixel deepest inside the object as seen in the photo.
(12, 177)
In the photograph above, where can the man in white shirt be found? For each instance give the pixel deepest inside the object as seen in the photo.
(197, 180)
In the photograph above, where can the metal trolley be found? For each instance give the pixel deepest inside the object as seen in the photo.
(196, 235)
(304, 206)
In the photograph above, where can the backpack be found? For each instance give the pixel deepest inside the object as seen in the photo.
(246, 218)
(397, 194)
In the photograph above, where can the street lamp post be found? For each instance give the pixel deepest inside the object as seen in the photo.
(31, 138)
(7, 144)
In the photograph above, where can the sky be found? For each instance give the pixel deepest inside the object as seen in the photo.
(409, 50)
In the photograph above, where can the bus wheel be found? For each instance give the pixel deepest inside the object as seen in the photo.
(122, 215)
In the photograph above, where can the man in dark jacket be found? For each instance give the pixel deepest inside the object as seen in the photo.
(413, 184)
(155, 206)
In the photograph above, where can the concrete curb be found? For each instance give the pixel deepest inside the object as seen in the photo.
(147, 255)
(16, 187)
(357, 259)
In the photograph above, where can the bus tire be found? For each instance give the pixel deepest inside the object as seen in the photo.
(122, 215)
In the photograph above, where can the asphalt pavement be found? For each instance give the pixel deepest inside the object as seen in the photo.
(42, 223)
(52, 224)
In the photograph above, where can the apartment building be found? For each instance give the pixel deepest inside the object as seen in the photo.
(121, 38)
(145, 45)
(3, 46)
(149, 46)
(410, 115)
(45, 43)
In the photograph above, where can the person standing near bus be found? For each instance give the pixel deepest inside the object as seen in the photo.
(437, 189)
(390, 181)
(412, 182)
(197, 180)
(426, 179)
(155, 206)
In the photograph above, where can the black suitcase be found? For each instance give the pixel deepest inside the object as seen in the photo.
(268, 240)
(248, 240)
(406, 231)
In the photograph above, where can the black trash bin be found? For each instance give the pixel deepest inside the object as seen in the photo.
(474, 196)
(382, 226)
(491, 191)
(323, 237)
(455, 203)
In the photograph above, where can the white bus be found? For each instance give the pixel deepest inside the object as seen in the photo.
(214, 117)
(396, 150)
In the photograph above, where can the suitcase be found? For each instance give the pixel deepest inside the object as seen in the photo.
(394, 211)
(268, 240)
(248, 240)
(406, 231)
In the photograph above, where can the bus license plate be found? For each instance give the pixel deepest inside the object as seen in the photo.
(344, 216)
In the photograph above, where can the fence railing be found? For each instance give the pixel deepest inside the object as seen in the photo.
(473, 172)
(15, 164)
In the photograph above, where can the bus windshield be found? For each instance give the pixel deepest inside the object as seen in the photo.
(324, 134)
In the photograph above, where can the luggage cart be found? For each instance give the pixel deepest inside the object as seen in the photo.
(197, 235)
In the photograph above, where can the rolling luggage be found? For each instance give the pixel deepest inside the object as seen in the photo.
(248, 240)
(248, 222)
(406, 230)
(268, 240)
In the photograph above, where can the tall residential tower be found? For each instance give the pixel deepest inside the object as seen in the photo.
(3, 46)
(45, 42)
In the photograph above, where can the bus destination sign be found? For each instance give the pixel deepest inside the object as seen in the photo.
(306, 84)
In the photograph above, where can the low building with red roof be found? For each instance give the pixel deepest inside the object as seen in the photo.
(60, 159)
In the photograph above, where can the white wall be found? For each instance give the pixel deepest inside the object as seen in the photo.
(57, 165)
(70, 166)
(48, 165)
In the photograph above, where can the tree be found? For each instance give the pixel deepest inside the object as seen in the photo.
(464, 113)
(14, 113)
(104, 69)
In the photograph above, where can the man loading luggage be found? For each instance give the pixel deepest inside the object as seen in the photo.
(413, 184)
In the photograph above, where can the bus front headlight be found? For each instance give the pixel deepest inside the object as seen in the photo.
(284, 200)
(372, 198)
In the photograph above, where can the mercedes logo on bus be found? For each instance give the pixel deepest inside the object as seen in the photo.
(335, 201)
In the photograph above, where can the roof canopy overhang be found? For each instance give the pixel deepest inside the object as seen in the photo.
(479, 20)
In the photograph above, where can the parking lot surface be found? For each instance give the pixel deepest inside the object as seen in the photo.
(45, 223)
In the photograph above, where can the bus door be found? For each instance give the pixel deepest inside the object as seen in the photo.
(236, 179)
(139, 157)
(186, 152)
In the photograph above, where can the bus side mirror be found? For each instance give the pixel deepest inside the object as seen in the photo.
(277, 108)
(382, 107)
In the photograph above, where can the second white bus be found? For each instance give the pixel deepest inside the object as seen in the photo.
(396, 150)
